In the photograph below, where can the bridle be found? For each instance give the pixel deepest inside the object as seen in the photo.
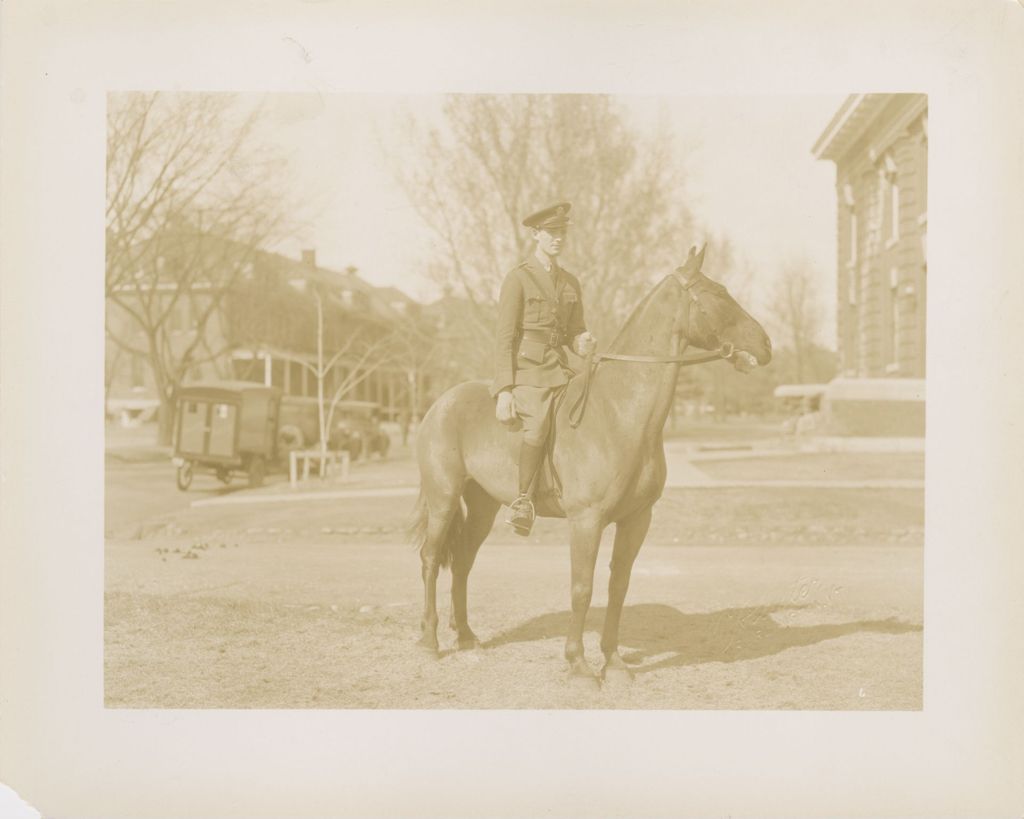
(725, 350)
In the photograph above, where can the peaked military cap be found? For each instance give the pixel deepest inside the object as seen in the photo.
(555, 216)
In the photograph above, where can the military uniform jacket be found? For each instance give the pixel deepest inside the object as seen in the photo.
(539, 312)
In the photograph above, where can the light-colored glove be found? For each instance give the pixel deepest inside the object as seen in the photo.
(584, 344)
(505, 411)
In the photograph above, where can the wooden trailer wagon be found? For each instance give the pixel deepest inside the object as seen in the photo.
(226, 427)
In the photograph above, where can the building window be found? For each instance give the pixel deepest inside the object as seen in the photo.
(894, 321)
(895, 210)
(890, 177)
(851, 207)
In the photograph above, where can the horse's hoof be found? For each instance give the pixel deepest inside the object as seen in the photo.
(429, 647)
(468, 643)
(585, 682)
(616, 676)
(583, 676)
(616, 671)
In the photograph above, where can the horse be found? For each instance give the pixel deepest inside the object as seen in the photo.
(610, 462)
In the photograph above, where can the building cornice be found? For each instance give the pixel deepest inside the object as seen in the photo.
(856, 115)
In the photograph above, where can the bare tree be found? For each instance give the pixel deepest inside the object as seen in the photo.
(496, 158)
(363, 357)
(190, 198)
(795, 310)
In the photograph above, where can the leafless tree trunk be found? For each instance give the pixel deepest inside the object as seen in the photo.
(190, 199)
(363, 357)
(796, 312)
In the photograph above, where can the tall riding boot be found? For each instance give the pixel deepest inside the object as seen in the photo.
(522, 513)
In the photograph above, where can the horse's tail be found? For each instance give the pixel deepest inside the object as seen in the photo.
(419, 525)
(416, 529)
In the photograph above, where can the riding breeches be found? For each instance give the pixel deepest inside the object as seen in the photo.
(533, 406)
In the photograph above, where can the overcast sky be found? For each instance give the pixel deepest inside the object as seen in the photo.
(747, 161)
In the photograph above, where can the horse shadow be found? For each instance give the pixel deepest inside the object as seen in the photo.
(650, 631)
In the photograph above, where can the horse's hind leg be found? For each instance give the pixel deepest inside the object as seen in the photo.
(434, 553)
(629, 537)
(481, 509)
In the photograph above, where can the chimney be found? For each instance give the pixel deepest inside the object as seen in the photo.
(309, 258)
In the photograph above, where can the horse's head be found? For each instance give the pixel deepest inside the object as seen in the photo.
(711, 319)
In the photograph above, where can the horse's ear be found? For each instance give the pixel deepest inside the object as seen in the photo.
(700, 256)
(691, 267)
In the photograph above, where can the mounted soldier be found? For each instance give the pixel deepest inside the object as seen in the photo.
(609, 453)
(540, 313)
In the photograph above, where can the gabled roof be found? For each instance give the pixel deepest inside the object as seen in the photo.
(378, 299)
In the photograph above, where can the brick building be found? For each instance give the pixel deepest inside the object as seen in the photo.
(879, 144)
(249, 314)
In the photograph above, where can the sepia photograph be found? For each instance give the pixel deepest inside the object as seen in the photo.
(432, 410)
(635, 386)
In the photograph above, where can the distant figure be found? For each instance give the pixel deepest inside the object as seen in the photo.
(540, 311)
(403, 422)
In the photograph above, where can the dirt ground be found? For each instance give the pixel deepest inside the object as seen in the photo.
(753, 598)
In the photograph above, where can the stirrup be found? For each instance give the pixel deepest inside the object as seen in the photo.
(521, 515)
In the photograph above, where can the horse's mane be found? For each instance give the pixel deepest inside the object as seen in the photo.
(638, 310)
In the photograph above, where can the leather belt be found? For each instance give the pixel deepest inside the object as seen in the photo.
(552, 337)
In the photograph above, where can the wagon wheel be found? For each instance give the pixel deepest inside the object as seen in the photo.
(257, 470)
(223, 475)
(185, 476)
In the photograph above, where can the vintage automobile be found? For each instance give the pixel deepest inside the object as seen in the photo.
(355, 427)
(225, 427)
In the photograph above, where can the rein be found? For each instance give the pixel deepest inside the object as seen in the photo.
(576, 410)
(725, 351)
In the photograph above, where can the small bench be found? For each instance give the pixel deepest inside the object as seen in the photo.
(327, 462)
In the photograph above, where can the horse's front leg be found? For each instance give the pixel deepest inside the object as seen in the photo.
(584, 540)
(629, 537)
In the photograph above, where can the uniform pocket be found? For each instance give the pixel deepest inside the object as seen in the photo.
(532, 351)
(537, 310)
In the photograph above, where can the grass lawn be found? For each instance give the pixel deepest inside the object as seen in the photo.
(818, 466)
